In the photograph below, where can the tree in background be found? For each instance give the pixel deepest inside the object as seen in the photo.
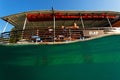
(15, 35)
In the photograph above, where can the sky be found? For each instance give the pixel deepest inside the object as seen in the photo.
(9, 7)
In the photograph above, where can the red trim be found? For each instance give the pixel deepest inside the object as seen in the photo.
(62, 16)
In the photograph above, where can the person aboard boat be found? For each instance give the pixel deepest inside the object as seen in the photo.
(75, 26)
(63, 28)
(50, 29)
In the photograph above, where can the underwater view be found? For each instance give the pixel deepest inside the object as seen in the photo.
(97, 59)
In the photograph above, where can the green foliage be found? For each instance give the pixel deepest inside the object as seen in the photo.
(15, 35)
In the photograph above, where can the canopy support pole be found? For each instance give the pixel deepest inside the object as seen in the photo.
(109, 22)
(5, 27)
(54, 28)
(82, 22)
(24, 25)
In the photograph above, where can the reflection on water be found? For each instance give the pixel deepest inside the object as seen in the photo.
(91, 60)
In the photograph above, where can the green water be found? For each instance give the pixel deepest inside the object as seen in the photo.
(97, 59)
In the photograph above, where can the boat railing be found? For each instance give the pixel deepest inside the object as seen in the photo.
(47, 34)
(42, 35)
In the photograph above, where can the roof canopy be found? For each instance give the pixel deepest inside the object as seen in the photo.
(66, 18)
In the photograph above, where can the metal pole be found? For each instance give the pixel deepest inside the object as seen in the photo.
(37, 33)
(54, 27)
(70, 34)
(24, 25)
(5, 27)
(82, 22)
(109, 22)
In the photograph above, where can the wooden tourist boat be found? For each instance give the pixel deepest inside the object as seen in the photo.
(55, 27)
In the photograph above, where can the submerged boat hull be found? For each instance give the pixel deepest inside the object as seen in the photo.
(93, 60)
